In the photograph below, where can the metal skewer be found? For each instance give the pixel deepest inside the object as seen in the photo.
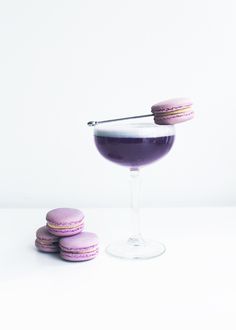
(93, 123)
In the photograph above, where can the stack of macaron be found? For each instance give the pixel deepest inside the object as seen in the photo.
(64, 233)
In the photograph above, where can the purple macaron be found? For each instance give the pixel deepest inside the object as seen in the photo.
(173, 111)
(81, 247)
(45, 241)
(65, 221)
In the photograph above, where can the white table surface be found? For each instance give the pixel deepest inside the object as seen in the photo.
(192, 286)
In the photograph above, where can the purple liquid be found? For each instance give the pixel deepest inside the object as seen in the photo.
(133, 151)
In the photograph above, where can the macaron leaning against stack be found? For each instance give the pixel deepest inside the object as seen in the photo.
(65, 221)
(45, 241)
(81, 247)
(173, 111)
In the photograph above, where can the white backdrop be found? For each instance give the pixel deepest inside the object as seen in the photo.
(63, 63)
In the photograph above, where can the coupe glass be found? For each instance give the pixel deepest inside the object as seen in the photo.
(134, 145)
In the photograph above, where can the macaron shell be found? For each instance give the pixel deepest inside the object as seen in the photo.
(78, 242)
(77, 256)
(171, 104)
(46, 248)
(43, 234)
(64, 216)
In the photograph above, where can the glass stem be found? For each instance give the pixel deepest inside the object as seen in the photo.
(135, 239)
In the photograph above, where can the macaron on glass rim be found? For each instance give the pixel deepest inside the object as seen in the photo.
(172, 111)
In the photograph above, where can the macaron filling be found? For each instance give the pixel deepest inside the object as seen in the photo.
(46, 247)
(157, 108)
(172, 111)
(43, 242)
(71, 226)
(80, 252)
(90, 249)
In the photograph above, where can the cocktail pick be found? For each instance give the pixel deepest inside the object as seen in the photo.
(168, 112)
(93, 123)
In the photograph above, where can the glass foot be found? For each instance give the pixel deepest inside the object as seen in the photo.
(133, 249)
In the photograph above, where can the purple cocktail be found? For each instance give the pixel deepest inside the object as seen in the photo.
(133, 152)
(134, 145)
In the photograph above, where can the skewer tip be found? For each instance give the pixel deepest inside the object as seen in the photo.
(92, 123)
